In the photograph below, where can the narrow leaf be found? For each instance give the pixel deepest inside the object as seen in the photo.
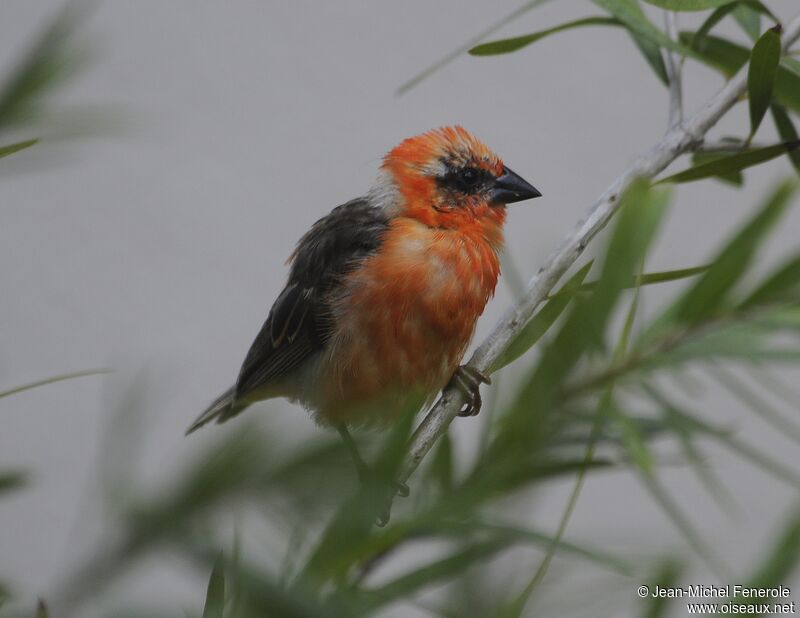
(687, 5)
(679, 519)
(761, 76)
(635, 445)
(792, 64)
(436, 572)
(782, 561)
(215, 594)
(738, 388)
(641, 211)
(746, 12)
(46, 63)
(38, 383)
(542, 321)
(506, 46)
(782, 285)
(733, 178)
(666, 577)
(41, 609)
(748, 19)
(711, 21)
(732, 163)
(728, 57)
(448, 58)
(9, 481)
(652, 55)
(731, 442)
(632, 15)
(711, 290)
(648, 278)
(787, 132)
(12, 148)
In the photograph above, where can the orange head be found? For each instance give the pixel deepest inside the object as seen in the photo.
(448, 178)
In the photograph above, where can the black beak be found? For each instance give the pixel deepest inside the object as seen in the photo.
(510, 188)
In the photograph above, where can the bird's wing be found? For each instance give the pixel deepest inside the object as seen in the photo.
(300, 321)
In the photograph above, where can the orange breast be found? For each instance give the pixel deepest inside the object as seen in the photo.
(404, 319)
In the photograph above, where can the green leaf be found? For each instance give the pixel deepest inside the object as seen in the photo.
(516, 607)
(12, 148)
(711, 21)
(46, 63)
(448, 58)
(733, 178)
(506, 46)
(734, 341)
(792, 64)
(746, 12)
(10, 481)
(648, 278)
(669, 275)
(729, 441)
(728, 57)
(632, 15)
(215, 594)
(699, 462)
(542, 321)
(782, 561)
(584, 329)
(635, 445)
(666, 577)
(720, 54)
(41, 609)
(652, 54)
(351, 525)
(60, 378)
(712, 289)
(683, 524)
(524, 535)
(732, 163)
(760, 406)
(687, 5)
(761, 76)
(787, 132)
(436, 572)
(782, 285)
(748, 19)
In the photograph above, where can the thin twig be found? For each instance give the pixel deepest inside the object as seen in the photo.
(673, 66)
(678, 140)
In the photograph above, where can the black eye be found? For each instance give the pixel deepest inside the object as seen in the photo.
(470, 177)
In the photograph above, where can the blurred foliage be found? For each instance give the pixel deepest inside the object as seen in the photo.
(601, 388)
(52, 59)
(583, 406)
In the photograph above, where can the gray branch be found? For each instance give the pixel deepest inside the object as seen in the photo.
(680, 138)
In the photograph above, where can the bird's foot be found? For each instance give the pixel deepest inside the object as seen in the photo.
(369, 476)
(468, 380)
(394, 488)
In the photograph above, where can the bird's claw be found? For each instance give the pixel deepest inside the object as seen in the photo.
(401, 489)
(398, 488)
(468, 380)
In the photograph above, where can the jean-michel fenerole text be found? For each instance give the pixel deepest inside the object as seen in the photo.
(722, 592)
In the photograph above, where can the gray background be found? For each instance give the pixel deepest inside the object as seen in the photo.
(156, 248)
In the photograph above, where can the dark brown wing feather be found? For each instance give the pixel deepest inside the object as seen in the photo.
(300, 321)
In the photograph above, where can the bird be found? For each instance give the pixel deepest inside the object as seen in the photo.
(384, 292)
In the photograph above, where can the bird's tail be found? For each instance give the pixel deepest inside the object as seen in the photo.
(222, 408)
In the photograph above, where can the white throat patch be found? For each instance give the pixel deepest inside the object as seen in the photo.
(385, 195)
